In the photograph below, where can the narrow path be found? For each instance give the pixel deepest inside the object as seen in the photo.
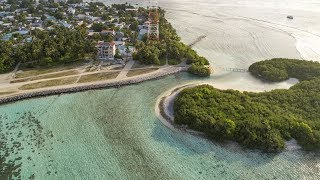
(7, 77)
(125, 70)
(15, 70)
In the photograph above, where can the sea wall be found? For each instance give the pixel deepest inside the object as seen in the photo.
(114, 84)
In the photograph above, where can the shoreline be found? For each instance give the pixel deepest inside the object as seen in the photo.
(55, 90)
(164, 109)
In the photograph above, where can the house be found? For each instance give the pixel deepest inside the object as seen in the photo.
(126, 50)
(7, 25)
(141, 18)
(91, 33)
(31, 19)
(119, 25)
(108, 31)
(65, 24)
(119, 36)
(50, 18)
(119, 43)
(10, 18)
(6, 37)
(29, 39)
(4, 14)
(79, 23)
(146, 25)
(37, 23)
(131, 9)
(58, 1)
(71, 10)
(81, 16)
(81, 5)
(106, 50)
(142, 32)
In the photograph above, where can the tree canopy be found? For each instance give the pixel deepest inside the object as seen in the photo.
(169, 47)
(60, 45)
(258, 120)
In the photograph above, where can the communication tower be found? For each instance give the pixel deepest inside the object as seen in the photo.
(153, 29)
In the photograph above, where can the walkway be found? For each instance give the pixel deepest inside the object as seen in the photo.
(125, 70)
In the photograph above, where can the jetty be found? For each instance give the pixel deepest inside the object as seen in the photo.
(230, 69)
(197, 40)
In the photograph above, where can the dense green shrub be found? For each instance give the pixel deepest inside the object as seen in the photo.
(258, 120)
(199, 70)
(57, 46)
(281, 69)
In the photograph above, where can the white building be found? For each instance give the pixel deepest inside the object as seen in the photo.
(57, 1)
(71, 10)
(10, 18)
(81, 16)
(108, 31)
(106, 50)
(126, 51)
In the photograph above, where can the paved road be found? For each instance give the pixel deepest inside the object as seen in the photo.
(125, 70)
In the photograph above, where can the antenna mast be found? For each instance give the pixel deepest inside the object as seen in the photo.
(153, 29)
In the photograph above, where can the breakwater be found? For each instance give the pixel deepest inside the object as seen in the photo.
(113, 84)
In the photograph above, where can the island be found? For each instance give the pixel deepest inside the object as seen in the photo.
(50, 47)
(264, 120)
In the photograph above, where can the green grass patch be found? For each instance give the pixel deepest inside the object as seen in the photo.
(98, 77)
(49, 83)
(137, 64)
(136, 72)
(34, 71)
(7, 92)
(54, 75)
(173, 62)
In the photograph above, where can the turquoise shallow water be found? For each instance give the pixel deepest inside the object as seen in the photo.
(114, 134)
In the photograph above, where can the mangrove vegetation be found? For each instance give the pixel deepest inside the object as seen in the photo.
(258, 120)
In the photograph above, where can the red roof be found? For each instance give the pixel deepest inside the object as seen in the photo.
(102, 43)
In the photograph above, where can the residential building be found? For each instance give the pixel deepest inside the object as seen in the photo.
(65, 24)
(106, 50)
(119, 43)
(58, 1)
(108, 31)
(71, 10)
(119, 35)
(81, 16)
(126, 51)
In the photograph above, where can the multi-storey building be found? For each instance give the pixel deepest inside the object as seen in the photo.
(106, 50)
